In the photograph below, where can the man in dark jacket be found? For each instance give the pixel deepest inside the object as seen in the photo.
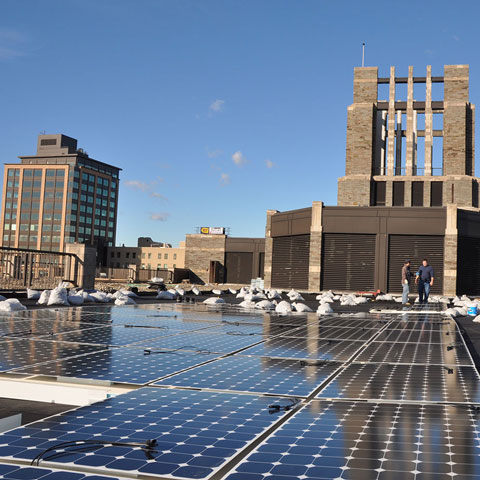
(424, 278)
(406, 275)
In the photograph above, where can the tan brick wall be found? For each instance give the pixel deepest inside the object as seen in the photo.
(200, 250)
(354, 191)
(267, 273)
(315, 261)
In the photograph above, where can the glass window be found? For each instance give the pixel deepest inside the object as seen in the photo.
(6, 237)
(33, 227)
(174, 256)
(91, 189)
(37, 173)
(57, 216)
(48, 206)
(58, 194)
(49, 184)
(112, 205)
(48, 194)
(134, 254)
(149, 255)
(88, 231)
(57, 227)
(82, 219)
(37, 183)
(13, 226)
(27, 184)
(81, 229)
(59, 183)
(91, 178)
(34, 216)
(165, 265)
(143, 255)
(89, 210)
(35, 205)
(6, 226)
(27, 172)
(83, 208)
(7, 216)
(127, 255)
(47, 216)
(24, 227)
(36, 194)
(46, 227)
(50, 172)
(60, 173)
(174, 265)
(165, 257)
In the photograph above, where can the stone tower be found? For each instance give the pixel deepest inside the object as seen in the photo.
(403, 151)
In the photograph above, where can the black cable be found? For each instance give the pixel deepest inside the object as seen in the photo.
(283, 408)
(147, 447)
(175, 351)
(242, 334)
(164, 316)
(448, 369)
(20, 333)
(163, 327)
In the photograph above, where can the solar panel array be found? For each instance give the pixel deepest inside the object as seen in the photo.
(348, 396)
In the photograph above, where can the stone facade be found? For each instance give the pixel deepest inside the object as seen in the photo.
(375, 129)
(268, 249)
(200, 251)
(315, 259)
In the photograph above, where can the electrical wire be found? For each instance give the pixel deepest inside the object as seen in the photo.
(60, 449)
(273, 408)
(176, 351)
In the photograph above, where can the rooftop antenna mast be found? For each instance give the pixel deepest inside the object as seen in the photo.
(363, 54)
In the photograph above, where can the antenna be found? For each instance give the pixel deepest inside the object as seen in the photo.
(363, 54)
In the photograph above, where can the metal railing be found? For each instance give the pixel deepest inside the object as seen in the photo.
(141, 275)
(39, 269)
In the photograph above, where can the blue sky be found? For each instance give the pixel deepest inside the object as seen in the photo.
(215, 110)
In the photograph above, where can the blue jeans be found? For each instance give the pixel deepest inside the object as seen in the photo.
(406, 291)
(423, 291)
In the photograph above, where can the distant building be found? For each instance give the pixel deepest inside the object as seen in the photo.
(218, 258)
(148, 242)
(59, 196)
(163, 257)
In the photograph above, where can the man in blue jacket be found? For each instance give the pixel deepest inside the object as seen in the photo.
(424, 277)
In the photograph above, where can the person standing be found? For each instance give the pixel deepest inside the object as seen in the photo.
(424, 278)
(406, 276)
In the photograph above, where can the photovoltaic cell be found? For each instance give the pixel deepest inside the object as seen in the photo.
(38, 473)
(413, 383)
(17, 353)
(37, 327)
(255, 374)
(197, 432)
(123, 365)
(433, 353)
(305, 348)
(320, 331)
(365, 441)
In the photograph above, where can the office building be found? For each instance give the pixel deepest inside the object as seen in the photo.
(59, 196)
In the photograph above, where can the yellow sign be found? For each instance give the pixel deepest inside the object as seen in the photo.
(204, 230)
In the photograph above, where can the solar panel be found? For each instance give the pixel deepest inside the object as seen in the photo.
(112, 335)
(414, 383)
(256, 374)
(365, 441)
(38, 473)
(305, 348)
(123, 365)
(218, 343)
(18, 353)
(433, 353)
(419, 336)
(196, 432)
(320, 331)
(37, 327)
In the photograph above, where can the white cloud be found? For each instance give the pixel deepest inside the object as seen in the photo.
(158, 195)
(137, 185)
(224, 179)
(456, 38)
(238, 158)
(269, 163)
(217, 106)
(214, 153)
(159, 216)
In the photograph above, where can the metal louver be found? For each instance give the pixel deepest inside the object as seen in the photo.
(290, 261)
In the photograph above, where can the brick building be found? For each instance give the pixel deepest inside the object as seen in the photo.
(409, 191)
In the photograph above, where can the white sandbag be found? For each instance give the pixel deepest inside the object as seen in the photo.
(213, 301)
(125, 300)
(180, 291)
(326, 300)
(384, 298)
(156, 280)
(232, 291)
(297, 298)
(43, 300)
(87, 298)
(11, 305)
(128, 293)
(246, 304)
(273, 295)
(301, 308)
(360, 300)
(397, 299)
(100, 297)
(255, 297)
(75, 300)
(451, 311)
(2, 298)
(33, 294)
(163, 295)
(265, 305)
(283, 307)
(462, 311)
(195, 291)
(58, 296)
(216, 291)
(476, 319)
(348, 301)
(324, 309)
(172, 291)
